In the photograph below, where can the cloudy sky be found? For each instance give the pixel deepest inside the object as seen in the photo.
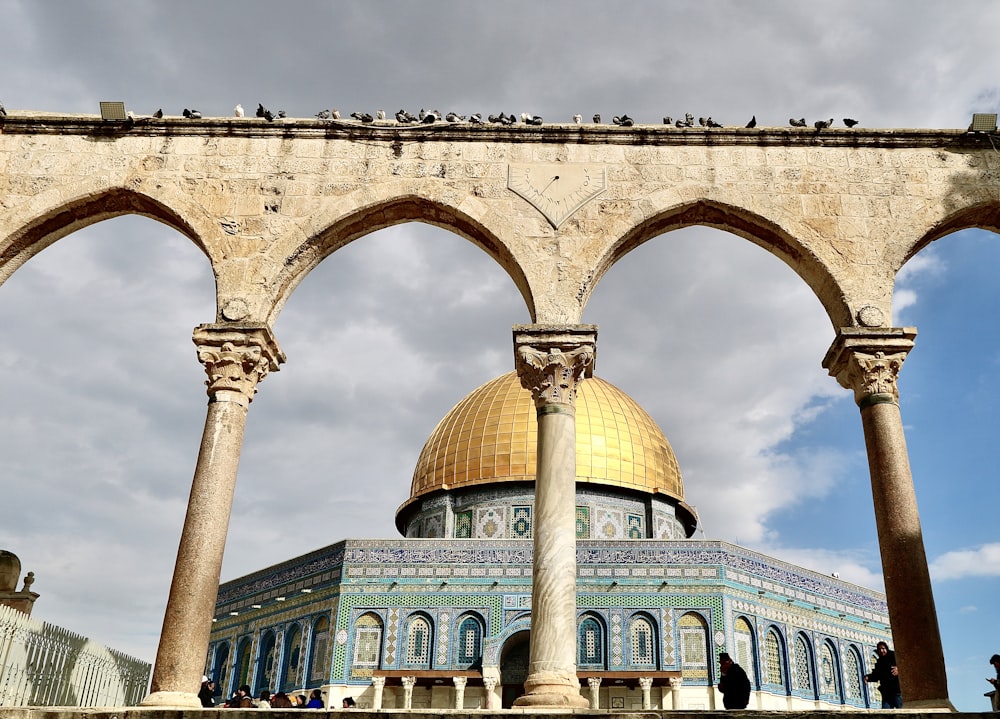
(103, 399)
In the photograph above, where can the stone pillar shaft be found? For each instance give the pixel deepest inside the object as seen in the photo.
(236, 358)
(551, 360)
(868, 362)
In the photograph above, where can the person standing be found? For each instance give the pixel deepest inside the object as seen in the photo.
(734, 683)
(207, 692)
(887, 675)
(995, 694)
(316, 700)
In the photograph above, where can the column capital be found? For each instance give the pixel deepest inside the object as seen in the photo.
(868, 361)
(237, 356)
(675, 682)
(552, 359)
(378, 682)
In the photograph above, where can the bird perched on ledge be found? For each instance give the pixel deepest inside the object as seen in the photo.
(797, 123)
(3, 110)
(850, 122)
(597, 118)
(823, 124)
(238, 110)
(753, 122)
(191, 114)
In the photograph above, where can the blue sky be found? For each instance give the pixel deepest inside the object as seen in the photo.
(722, 343)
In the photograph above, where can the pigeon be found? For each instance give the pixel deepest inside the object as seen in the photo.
(268, 115)
(238, 110)
(380, 115)
(688, 119)
(823, 124)
(709, 122)
(323, 115)
(261, 110)
(158, 114)
(703, 121)
(597, 119)
(667, 120)
(191, 114)
(281, 114)
(421, 115)
(626, 121)
(753, 122)
(3, 110)
(335, 114)
(577, 119)
(454, 117)
(476, 119)
(428, 118)
(850, 122)
(363, 117)
(402, 117)
(508, 119)
(797, 123)
(534, 120)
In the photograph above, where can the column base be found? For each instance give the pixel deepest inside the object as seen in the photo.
(552, 689)
(930, 705)
(180, 700)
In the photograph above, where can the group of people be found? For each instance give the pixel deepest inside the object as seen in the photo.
(735, 684)
(242, 699)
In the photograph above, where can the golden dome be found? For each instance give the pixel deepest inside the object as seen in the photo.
(490, 437)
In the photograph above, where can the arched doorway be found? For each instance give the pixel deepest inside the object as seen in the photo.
(514, 667)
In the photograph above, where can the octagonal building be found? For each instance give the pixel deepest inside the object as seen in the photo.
(442, 617)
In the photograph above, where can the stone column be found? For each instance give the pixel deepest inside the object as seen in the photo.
(868, 361)
(490, 685)
(646, 684)
(551, 360)
(460, 683)
(675, 692)
(378, 689)
(408, 683)
(594, 685)
(237, 356)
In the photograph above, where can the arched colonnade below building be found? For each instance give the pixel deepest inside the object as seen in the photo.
(555, 206)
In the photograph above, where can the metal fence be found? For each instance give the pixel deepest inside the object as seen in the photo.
(45, 665)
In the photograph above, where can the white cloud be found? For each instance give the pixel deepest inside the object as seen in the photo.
(982, 561)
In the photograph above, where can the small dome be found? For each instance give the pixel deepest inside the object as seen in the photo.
(490, 437)
(10, 571)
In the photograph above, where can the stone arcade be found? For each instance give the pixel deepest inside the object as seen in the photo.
(555, 206)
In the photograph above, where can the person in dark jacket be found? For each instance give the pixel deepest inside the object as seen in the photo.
(887, 675)
(207, 692)
(734, 683)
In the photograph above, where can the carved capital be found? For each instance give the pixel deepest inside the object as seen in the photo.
(868, 361)
(675, 683)
(236, 358)
(552, 359)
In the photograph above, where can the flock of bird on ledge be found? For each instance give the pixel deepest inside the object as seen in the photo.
(429, 118)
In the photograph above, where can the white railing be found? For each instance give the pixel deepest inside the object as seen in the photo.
(45, 665)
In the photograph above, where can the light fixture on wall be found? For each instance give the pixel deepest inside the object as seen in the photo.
(113, 111)
(983, 122)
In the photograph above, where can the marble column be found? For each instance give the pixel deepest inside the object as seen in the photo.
(490, 685)
(408, 684)
(646, 684)
(237, 356)
(868, 362)
(460, 683)
(675, 692)
(594, 686)
(551, 360)
(378, 689)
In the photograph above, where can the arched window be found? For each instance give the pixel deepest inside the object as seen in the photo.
(802, 679)
(829, 683)
(265, 662)
(418, 642)
(853, 675)
(220, 669)
(469, 643)
(642, 642)
(774, 658)
(243, 663)
(319, 660)
(693, 633)
(367, 641)
(744, 648)
(590, 643)
(293, 658)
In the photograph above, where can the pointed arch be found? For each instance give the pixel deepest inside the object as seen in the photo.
(692, 631)
(320, 653)
(469, 641)
(419, 633)
(743, 223)
(642, 642)
(590, 642)
(266, 662)
(292, 663)
(804, 668)
(323, 241)
(982, 215)
(829, 673)
(65, 217)
(774, 660)
(745, 647)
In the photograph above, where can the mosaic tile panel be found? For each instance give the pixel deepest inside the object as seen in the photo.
(617, 641)
(433, 525)
(608, 524)
(463, 525)
(392, 637)
(520, 522)
(633, 526)
(444, 636)
(583, 522)
(491, 523)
